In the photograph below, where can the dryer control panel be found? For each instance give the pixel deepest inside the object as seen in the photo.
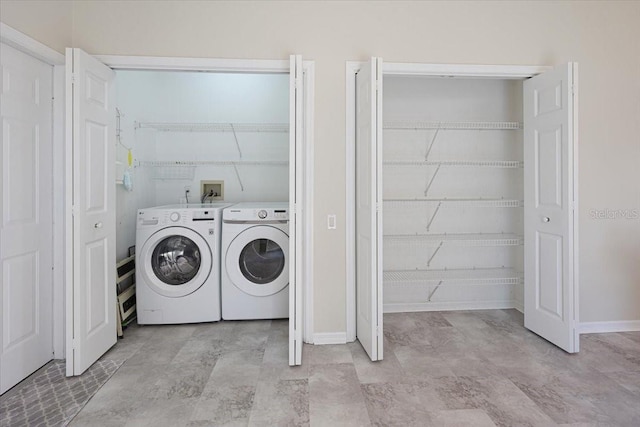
(253, 212)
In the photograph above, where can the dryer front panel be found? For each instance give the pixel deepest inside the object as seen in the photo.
(176, 261)
(257, 260)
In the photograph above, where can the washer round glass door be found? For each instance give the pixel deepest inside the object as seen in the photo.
(257, 260)
(176, 261)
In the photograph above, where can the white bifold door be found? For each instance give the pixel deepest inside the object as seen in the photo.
(296, 202)
(551, 298)
(91, 292)
(26, 231)
(551, 294)
(369, 208)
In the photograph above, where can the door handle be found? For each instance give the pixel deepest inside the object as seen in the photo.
(97, 225)
(546, 219)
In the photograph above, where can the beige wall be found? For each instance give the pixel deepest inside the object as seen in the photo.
(602, 37)
(49, 22)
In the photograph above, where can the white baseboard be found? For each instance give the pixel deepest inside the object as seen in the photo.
(329, 338)
(613, 326)
(519, 305)
(447, 306)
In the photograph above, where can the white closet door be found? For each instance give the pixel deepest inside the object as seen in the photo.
(26, 230)
(368, 208)
(550, 291)
(296, 96)
(91, 303)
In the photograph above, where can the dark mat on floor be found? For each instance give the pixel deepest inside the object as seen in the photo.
(48, 398)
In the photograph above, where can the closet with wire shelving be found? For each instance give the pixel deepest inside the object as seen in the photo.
(452, 193)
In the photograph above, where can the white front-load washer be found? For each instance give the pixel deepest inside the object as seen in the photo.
(255, 261)
(178, 263)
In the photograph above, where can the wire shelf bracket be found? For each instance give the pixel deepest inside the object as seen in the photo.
(433, 140)
(433, 177)
(433, 217)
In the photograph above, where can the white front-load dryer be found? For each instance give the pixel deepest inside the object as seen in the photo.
(255, 261)
(178, 263)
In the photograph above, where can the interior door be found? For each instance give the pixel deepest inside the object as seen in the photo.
(369, 208)
(91, 296)
(551, 298)
(296, 176)
(26, 230)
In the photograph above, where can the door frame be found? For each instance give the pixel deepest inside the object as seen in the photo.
(34, 48)
(267, 66)
(518, 72)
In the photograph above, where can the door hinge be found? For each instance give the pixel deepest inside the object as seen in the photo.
(73, 78)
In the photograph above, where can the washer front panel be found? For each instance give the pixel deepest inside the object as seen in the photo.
(175, 261)
(257, 260)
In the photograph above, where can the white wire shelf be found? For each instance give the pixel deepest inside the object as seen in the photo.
(465, 239)
(214, 127)
(458, 203)
(194, 163)
(419, 125)
(185, 170)
(507, 164)
(495, 276)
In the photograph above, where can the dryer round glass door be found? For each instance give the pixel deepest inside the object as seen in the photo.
(257, 260)
(175, 261)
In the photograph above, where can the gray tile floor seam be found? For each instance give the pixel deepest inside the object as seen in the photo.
(464, 368)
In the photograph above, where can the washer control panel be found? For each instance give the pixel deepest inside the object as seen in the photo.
(154, 217)
(262, 214)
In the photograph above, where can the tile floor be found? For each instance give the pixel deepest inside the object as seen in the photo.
(479, 368)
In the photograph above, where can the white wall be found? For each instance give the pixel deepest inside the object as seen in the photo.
(190, 97)
(601, 36)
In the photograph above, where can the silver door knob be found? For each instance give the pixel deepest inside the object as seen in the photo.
(97, 225)
(546, 219)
